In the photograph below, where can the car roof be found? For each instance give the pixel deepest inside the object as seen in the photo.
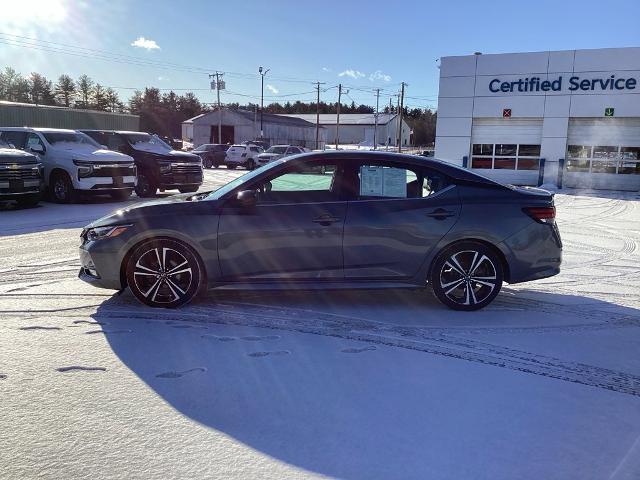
(442, 166)
(38, 129)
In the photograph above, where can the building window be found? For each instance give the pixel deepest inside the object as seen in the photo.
(603, 159)
(505, 156)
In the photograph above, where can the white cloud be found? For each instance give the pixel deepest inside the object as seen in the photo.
(163, 79)
(272, 89)
(326, 69)
(145, 43)
(352, 73)
(378, 75)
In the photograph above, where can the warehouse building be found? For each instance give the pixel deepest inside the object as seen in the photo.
(579, 110)
(238, 126)
(27, 115)
(360, 128)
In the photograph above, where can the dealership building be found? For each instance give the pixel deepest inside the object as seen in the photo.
(573, 114)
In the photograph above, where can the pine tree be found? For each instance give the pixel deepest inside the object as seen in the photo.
(65, 90)
(84, 86)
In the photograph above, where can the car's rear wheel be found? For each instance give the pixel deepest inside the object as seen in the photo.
(467, 276)
(164, 273)
(144, 187)
(250, 164)
(188, 189)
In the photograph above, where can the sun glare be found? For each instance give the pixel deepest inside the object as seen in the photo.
(25, 15)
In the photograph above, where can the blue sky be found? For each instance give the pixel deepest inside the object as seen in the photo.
(363, 44)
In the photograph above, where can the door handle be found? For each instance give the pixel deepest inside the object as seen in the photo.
(441, 214)
(326, 219)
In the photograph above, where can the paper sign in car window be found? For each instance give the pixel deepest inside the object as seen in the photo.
(394, 183)
(371, 181)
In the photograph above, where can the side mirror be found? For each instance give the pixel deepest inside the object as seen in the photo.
(247, 198)
(37, 148)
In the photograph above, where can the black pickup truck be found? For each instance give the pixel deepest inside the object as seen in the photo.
(20, 176)
(158, 165)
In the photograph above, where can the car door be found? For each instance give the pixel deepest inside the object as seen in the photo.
(399, 213)
(294, 232)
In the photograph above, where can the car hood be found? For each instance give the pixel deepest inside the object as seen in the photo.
(173, 155)
(131, 213)
(90, 153)
(270, 155)
(13, 156)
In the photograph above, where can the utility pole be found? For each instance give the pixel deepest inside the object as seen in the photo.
(262, 74)
(401, 99)
(375, 128)
(318, 116)
(218, 85)
(338, 115)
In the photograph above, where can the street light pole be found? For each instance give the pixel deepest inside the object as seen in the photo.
(262, 74)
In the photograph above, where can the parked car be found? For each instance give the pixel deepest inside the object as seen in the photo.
(20, 176)
(158, 165)
(277, 152)
(324, 220)
(212, 154)
(242, 156)
(73, 162)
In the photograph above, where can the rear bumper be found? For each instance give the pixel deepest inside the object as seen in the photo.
(533, 253)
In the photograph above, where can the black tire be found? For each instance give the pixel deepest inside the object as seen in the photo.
(188, 189)
(28, 201)
(61, 188)
(467, 276)
(250, 164)
(207, 163)
(149, 278)
(144, 187)
(120, 195)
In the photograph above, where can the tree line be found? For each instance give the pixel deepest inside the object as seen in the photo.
(163, 113)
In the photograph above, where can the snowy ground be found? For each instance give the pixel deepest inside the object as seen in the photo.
(543, 384)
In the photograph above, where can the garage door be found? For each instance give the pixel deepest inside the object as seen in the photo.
(507, 149)
(603, 153)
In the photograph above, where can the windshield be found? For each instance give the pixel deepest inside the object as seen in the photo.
(142, 139)
(70, 137)
(201, 148)
(278, 150)
(217, 194)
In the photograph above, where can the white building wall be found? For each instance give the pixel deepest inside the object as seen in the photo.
(465, 95)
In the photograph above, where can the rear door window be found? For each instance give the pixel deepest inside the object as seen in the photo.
(32, 140)
(392, 181)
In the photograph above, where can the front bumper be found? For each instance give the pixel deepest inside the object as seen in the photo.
(100, 266)
(104, 183)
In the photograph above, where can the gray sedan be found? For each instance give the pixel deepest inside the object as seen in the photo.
(330, 220)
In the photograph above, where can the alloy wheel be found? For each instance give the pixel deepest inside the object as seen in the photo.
(163, 276)
(468, 277)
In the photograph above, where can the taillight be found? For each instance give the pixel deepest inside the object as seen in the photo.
(541, 214)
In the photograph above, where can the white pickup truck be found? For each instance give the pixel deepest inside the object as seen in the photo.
(74, 162)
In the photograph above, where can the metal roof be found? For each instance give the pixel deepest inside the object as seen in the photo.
(345, 118)
(266, 118)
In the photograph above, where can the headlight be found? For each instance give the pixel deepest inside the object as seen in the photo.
(100, 233)
(165, 167)
(85, 169)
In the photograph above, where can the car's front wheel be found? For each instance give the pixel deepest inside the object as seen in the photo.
(164, 273)
(62, 189)
(144, 187)
(467, 276)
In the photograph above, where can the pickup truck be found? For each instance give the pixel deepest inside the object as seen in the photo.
(158, 165)
(20, 176)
